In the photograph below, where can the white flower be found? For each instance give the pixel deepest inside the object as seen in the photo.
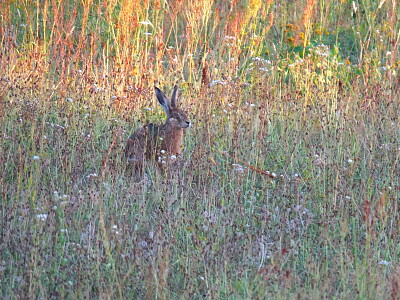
(384, 262)
(354, 7)
(238, 167)
(215, 82)
(35, 157)
(42, 217)
(350, 161)
(147, 22)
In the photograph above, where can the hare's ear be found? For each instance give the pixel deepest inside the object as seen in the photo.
(163, 100)
(174, 96)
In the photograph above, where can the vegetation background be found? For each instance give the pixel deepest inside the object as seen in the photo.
(308, 90)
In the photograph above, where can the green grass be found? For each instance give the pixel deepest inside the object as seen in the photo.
(324, 119)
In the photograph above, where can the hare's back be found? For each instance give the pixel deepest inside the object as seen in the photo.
(135, 145)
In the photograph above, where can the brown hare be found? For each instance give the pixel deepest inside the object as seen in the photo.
(162, 143)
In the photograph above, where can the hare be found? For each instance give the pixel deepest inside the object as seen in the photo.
(162, 143)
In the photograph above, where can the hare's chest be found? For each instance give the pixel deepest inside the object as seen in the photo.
(172, 142)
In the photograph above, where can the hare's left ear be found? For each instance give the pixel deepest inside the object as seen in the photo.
(163, 100)
(174, 96)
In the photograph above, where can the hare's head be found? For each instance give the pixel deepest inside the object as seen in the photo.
(175, 116)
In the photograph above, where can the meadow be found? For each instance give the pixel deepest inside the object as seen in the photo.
(308, 91)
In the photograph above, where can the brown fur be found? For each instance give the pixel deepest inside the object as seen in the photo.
(162, 143)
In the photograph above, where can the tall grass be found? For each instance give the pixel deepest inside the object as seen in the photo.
(307, 90)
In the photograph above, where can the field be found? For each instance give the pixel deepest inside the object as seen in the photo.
(308, 91)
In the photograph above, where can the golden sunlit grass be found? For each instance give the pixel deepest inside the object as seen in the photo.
(288, 185)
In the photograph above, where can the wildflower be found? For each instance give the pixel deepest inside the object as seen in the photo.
(238, 167)
(384, 262)
(215, 82)
(35, 157)
(143, 244)
(350, 161)
(42, 217)
(354, 7)
(147, 22)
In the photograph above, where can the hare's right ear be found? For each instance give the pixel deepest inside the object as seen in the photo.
(174, 96)
(163, 100)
